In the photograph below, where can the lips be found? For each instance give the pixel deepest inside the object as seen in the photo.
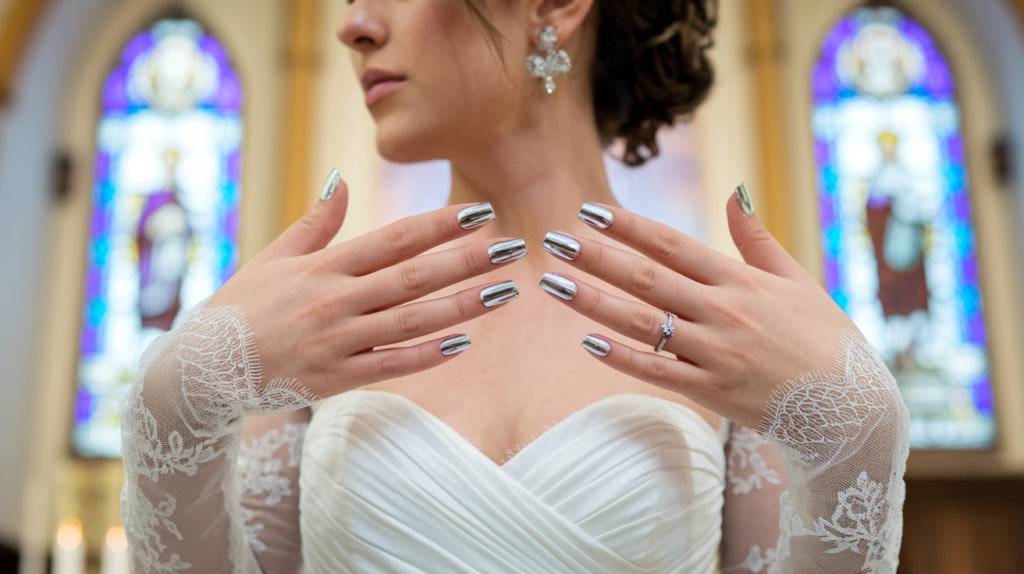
(378, 83)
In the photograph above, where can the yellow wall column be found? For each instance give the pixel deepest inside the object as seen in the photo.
(302, 59)
(16, 26)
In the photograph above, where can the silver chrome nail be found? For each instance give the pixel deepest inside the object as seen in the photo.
(561, 246)
(507, 251)
(455, 345)
(558, 286)
(743, 200)
(499, 294)
(331, 185)
(596, 216)
(596, 346)
(473, 217)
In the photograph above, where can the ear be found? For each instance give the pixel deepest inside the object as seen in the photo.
(565, 15)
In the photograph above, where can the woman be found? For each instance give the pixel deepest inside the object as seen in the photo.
(616, 460)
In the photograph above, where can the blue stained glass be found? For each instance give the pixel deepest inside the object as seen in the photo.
(164, 227)
(897, 237)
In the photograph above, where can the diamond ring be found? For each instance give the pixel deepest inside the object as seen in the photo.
(667, 330)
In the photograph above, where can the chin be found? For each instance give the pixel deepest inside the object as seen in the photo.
(401, 142)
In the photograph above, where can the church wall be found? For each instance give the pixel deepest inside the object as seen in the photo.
(28, 129)
(61, 113)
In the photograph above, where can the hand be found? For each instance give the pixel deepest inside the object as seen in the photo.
(318, 312)
(741, 330)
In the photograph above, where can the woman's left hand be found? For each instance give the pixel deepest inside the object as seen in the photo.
(741, 329)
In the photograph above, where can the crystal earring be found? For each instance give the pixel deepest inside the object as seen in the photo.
(548, 63)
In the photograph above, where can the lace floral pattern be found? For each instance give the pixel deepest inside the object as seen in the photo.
(747, 470)
(260, 463)
(182, 418)
(844, 437)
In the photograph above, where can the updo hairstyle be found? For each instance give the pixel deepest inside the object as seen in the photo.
(651, 67)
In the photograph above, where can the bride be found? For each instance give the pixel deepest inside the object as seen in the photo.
(325, 411)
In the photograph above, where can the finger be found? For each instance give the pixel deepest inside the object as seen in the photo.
(422, 275)
(314, 230)
(757, 246)
(377, 366)
(418, 319)
(667, 246)
(671, 374)
(638, 276)
(628, 318)
(409, 237)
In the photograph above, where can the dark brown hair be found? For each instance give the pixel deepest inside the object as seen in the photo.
(650, 69)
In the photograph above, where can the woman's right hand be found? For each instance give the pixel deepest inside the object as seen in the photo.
(318, 312)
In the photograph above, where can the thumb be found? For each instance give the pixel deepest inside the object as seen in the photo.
(757, 246)
(314, 230)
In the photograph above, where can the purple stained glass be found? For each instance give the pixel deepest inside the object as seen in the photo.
(170, 244)
(898, 248)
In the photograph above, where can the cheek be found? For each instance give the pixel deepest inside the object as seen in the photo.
(462, 95)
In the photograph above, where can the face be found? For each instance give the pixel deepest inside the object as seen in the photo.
(433, 80)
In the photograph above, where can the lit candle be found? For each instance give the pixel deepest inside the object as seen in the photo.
(68, 549)
(115, 552)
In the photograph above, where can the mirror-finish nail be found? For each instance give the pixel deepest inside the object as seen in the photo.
(597, 346)
(507, 251)
(596, 216)
(561, 246)
(499, 294)
(455, 345)
(331, 185)
(473, 217)
(743, 200)
(558, 286)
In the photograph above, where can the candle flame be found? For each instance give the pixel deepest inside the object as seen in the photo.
(116, 540)
(69, 534)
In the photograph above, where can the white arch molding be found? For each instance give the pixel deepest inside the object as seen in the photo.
(250, 31)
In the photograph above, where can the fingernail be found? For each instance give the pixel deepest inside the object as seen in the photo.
(331, 185)
(455, 345)
(558, 286)
(507, 251)
(473, 217)
(599, 347)
(499, 294)
(561, 246)
(743, 200)
(596, 216)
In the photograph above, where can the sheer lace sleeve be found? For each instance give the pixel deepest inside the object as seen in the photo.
(843, 440)
(182, 425)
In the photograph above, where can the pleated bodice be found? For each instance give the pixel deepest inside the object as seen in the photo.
(631, 484)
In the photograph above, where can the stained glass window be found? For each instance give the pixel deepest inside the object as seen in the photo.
(900, 254)
(164, 223)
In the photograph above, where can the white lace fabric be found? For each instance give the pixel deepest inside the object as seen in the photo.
(181, 433)
(844, 439)
(212, 463)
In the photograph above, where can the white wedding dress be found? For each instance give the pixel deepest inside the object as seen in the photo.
(228, 474)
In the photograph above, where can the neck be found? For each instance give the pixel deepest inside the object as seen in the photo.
(537, 177)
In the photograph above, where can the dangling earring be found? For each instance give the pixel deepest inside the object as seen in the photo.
(548, 63)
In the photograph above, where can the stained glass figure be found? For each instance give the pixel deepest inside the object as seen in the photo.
(900, 254)
(164, 224)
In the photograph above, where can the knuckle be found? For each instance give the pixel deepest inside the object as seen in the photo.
(400, 237)
(471, 259)
(642, 323)
(466, 307)
(666, 242)
(644, 277)
(594, 254)
(390, 365)
(656, 369)
(413, 276)
(591, 305)
(408, 321)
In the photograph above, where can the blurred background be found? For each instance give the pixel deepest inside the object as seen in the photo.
(148, 148)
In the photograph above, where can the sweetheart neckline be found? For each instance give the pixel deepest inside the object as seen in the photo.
(467, 441)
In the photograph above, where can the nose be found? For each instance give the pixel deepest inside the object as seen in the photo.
(361, 28)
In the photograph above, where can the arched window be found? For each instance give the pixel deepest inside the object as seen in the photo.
(899, 246)
(164, 223)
